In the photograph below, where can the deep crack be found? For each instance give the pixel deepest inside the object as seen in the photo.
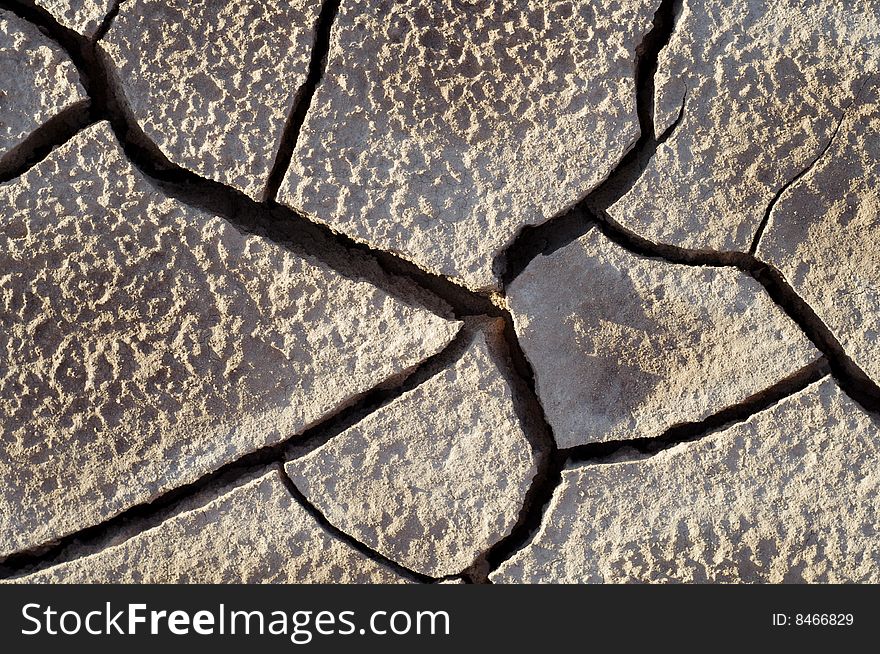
(393, 274)
(303, 100)
(559, 231)
(45, 138)
(151, 513)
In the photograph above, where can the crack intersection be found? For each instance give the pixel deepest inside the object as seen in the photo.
(437, 293)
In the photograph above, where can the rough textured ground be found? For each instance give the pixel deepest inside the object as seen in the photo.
(441, 129)
(763, 85)
(38, 84)
(83, 16)
(146, 342)
(467, 291)
(823, 233)
(790, 495)
(218, 111)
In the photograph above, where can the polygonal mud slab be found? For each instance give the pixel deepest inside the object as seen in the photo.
(441, 129)
(256, 533)
(83, 16)
(764, 83)
(436, 476)
(145, 342)
(625, 347)
(790, 495)
(824, 233)
(39, 85)
(212, 83)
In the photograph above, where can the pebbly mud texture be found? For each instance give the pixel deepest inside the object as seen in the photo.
(217, 111)
(40, 89)
(440, 129)
(465, 292)
(83, 16)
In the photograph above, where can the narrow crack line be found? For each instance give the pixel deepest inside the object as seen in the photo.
(350, 540)
(669, 131)
(303, 99)
(638, 449)
(41, 141)
(152, 512)
(108, 21)
(765, 219)
(636, 244)
(559, 231)
(376, 398)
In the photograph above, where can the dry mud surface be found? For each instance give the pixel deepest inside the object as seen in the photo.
(406, 292)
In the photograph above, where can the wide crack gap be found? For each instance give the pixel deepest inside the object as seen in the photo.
(849, 376)
(513, 365)
(70, 41)
(148, 514)
(303, 100)
(559, 231)
(765, 219)
(40, 142)
(364, 549)
(592, 211)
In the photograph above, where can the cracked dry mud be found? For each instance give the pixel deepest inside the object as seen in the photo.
(374, 292)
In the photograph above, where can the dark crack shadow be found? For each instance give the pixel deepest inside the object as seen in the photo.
(549, 236)
(39, 143)
(108, 21)
(686, 432)
(283, 226)
(303, 100)
(150, 513)
(515, 368)
(365, 550)
(389, 272)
